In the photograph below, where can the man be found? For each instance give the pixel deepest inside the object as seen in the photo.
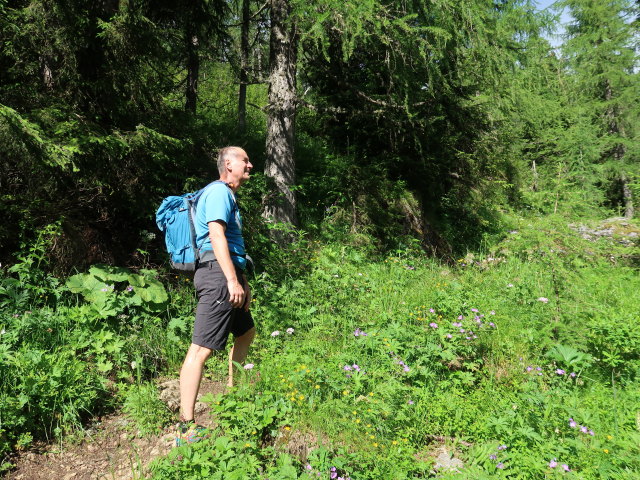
(223, 292)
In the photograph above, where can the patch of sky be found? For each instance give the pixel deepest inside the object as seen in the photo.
(556, 37)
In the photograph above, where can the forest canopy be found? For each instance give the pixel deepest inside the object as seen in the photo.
(393, 120)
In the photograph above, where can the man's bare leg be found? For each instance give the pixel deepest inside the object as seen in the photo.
(190, 377)
(239, 351)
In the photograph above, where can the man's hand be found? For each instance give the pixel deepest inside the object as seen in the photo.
(236, 294)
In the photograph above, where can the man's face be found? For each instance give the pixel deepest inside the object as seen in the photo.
(239, 166)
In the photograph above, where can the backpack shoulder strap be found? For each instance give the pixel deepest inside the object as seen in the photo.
(198, 194)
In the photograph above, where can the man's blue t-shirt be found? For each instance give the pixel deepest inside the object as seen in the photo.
(218, 203)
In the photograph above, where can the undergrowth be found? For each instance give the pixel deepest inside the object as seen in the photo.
(520, 360)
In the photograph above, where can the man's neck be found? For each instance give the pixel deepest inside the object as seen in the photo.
(232, 185)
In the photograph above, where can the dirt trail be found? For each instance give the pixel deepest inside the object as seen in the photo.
(112, 449)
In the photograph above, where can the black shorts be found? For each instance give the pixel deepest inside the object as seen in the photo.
(215, 317)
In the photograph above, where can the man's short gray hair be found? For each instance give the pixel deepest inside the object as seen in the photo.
(223, 155)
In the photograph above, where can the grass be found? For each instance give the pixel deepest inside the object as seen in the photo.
(543, 288)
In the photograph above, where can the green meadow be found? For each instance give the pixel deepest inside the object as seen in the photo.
(520, 360)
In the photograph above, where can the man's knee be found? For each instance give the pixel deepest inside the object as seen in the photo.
(198, 353)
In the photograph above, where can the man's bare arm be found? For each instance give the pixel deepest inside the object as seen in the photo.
(221, 251)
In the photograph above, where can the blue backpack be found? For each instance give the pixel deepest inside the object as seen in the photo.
(175, 218)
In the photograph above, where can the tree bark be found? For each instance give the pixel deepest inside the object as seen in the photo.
(280, 162)
(45, 71)
(193, 68)
(627, 197)
(244, 66)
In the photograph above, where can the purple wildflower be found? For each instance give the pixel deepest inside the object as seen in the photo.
(406, 368)
(572, 374)
(502, 447)
(529, 368)
(492, 312)
(500, 465)
(431, 310)
(543, 299)
(355, 367)
(129, 288)
(553, 463)
(410, 402)
(492, 325)
(347, 368)
(565, 467)
(572, 423)
(290, 330)
(591, 432)
(559, 371)
(433, 325)
(584, 429)
(493, 456)
(460, 317)
(474, 310)
(449, 335)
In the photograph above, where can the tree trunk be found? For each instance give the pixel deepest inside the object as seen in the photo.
(45, 71)
(280, 163)
(193, 68)
(244, 66)
(627, 197)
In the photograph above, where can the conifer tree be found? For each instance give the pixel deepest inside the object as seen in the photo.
(604, 67)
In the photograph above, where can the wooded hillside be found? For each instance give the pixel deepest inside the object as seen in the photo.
(395, 119)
